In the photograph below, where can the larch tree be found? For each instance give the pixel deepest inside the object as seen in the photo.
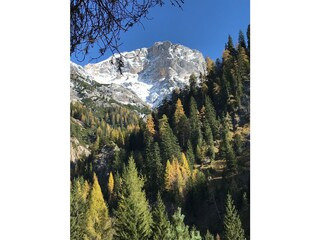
(179, 112)
(232, 225)
(133, 217)
(110, 184)
(169, 176)
(150, 125)
(98, 221)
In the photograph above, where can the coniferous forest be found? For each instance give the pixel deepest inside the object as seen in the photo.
(180, 171)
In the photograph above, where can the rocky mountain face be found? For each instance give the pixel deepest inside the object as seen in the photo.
(83, 87)
(148, 75)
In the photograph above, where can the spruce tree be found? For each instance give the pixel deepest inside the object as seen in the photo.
(210, 114)
(133, 218)
(168, 141)
(228, 152)
(248, 40)
(181, 125)
(193, 84)
(161, 227)
(194, 234)
(209, 140)
(190, 154)
(232, 225)
(241, 40)
(98, 221)
(208, 236)
(195, 125)
(155, 174)
(78, 208)
(180, 230)
(230, 46)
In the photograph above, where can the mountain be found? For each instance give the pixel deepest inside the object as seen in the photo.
(147, 76)
(84, 87)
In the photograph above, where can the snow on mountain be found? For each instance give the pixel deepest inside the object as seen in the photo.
(151, 73)
(84, 87)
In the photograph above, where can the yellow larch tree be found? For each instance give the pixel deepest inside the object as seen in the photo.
(110, 184)
(179, 112)
(150, 125)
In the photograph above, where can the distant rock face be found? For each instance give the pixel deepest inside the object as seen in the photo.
(83, 86)
(78, 151)
(149, 73)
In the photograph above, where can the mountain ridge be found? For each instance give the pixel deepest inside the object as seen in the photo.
(149, 73)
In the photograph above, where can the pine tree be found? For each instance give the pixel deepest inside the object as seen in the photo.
(98, 221)
(133, 218)
(180, 230)
(161, 227)
(232, 225)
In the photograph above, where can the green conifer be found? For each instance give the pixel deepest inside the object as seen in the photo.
(208, 236)
(232, 225)
(161, 227)
(78, 209)
(180, 230)
(168, 141)
(133, 217)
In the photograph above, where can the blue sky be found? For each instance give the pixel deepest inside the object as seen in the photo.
(203, 25)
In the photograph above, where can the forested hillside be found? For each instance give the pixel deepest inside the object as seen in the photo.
(180, 171)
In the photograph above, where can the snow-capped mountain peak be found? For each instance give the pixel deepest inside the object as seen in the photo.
(151, 73)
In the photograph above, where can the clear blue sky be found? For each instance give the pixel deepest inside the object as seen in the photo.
(202, 24)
